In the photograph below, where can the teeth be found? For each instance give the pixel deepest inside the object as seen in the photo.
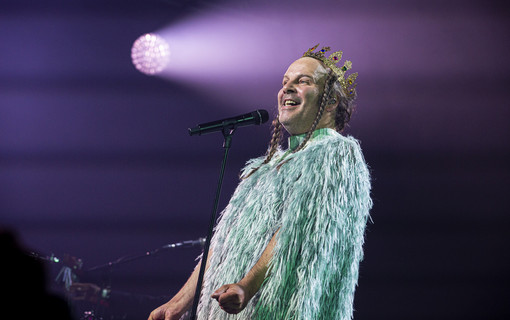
(290, 103)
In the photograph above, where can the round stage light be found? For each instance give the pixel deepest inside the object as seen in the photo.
(150, 54)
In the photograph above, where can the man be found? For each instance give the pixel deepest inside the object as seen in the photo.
(289, 243)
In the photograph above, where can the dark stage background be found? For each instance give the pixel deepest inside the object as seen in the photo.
(96, 162)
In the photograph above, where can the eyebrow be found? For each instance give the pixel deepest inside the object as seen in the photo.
(301, 75)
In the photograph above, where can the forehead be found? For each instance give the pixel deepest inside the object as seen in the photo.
(302, 66)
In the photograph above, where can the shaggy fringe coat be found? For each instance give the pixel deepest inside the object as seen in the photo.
(319, 199)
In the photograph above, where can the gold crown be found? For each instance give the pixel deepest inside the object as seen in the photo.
(347, 84)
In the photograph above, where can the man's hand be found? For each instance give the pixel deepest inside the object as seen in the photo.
(232, 298)
(168, 311)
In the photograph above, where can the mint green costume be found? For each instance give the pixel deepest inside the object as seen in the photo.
(319, 200)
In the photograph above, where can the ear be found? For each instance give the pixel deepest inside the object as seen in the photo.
(333, 103)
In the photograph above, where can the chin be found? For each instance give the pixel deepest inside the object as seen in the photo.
(286, 123)
(292, 130)
(286, 127)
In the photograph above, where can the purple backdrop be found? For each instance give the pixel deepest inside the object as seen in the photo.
(96, 161)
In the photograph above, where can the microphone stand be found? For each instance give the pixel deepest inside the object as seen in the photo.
(107, 268)
(227, 134)
(125, 259)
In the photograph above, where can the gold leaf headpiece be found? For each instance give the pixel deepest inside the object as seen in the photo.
(331, 61)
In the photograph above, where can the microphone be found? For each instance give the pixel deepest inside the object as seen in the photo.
(256, 117)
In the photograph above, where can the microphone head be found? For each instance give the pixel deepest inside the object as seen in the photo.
(261, 116)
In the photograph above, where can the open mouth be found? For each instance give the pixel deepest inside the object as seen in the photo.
(290, 102)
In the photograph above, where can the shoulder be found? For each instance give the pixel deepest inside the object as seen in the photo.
(250, 165)
(332, 159)
(257, 163)
(334, 146)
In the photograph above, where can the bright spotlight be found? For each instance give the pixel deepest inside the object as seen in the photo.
(150, 54)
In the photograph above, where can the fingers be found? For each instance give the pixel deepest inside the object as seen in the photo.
(168, 311)
(157, 314)
(154, 315)
(230, 301)
(231, 298)
(216, 294)
(230, 304)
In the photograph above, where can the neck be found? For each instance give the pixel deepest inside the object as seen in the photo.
(289, 131)
(295, 140)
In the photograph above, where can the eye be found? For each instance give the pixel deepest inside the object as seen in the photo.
(305, 80)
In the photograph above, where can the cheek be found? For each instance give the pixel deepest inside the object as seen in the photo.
(312, 95)
(279, 95)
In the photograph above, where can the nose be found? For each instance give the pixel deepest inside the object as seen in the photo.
(288, 87)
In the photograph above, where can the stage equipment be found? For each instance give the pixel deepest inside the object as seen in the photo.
(256, 117)
(184, 244)
(150, 54)
(227, 127)
(72, 269)
(108, 268)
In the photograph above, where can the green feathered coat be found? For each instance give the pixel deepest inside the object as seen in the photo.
(320, 200)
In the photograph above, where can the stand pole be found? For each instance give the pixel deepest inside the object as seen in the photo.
(227, 134)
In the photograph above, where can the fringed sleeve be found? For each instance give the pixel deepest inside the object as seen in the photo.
(326, 203)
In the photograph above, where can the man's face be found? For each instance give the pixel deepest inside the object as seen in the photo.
(298, 99)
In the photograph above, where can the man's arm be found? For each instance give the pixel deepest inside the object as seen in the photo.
(234, 297)
(182, 301)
